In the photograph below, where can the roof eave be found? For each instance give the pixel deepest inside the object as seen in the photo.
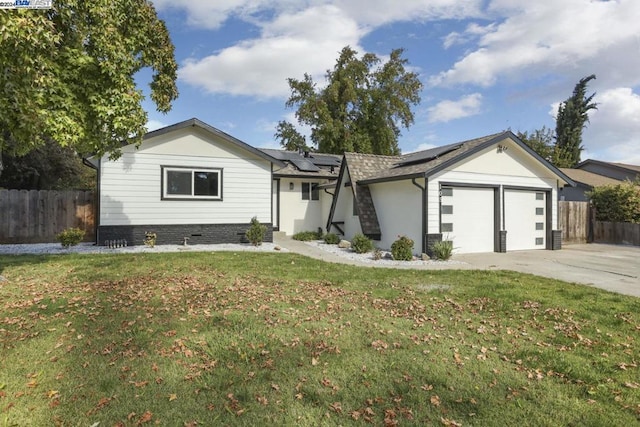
(390, 178)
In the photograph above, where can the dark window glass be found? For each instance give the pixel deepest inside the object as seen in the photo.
(315, 192)
(539, 211)
(447, 209)
(179, 183)
(539, 241)
(539, 226)
(447, 227)
(539, 196)
(305, 191)
(205, 183)
(446, 191)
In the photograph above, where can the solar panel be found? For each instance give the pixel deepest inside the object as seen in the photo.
(305, 165)
(427, 155)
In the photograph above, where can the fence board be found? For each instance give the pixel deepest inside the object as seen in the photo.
(574, 221)
(619, 233)
(37, 216)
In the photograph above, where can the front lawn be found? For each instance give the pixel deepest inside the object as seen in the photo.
(230, 338)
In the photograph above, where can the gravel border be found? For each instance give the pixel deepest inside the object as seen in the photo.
(91, 248)
(387, 259)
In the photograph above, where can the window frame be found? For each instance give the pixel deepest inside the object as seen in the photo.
(193, 170)
(309, 191)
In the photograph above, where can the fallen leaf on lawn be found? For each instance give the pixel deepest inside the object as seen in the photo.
(435, 400)
(632, 385)
(276, 387)
(145, 418)
(336, 406)
(450, 423)
(52, 393)
(172, 397)
(314, 361)
(262, 400)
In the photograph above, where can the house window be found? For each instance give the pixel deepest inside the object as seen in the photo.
(447, 227)
(539, 226)
(447, 209)
(539, 196)
(187, 183)
(539, 211)
(310, 191)
(539, 241)
(446, 191)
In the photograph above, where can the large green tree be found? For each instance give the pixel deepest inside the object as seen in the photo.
(570, 121)
(67, 74)
(362, 108)
(539, 140)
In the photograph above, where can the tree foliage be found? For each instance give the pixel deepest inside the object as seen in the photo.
(361, 109)
(47, 167)
(570, 121)
(540, 141)
(617, 203)
(290, 138)
(67, 73)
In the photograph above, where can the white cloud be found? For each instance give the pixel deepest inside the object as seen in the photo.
(613, 133)
(445, 111)
(155, 124)
(292, 44)
(532, 39)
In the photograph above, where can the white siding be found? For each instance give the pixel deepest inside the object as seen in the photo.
(130, 188)
(302, 215)
(399, 208)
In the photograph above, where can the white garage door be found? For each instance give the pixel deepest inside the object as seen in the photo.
(468, 218)
(525, 219)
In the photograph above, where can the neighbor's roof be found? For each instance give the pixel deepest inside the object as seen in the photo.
(589, 179)
(627, 167)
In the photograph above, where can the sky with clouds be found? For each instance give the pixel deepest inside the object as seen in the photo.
(486, 65)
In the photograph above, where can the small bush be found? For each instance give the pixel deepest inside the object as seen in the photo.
(306, 236)
(402, 249)
(256, 232)
(361, 244)
(70, 237)
(442, 250)
(377, 254)
(332, 239)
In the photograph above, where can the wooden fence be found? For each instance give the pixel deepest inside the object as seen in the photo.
(37, 216)
(574, 218)
(618, 233)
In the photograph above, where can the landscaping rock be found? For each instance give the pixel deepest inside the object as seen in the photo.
(2, 279)
(344, 244)
(277, 248)
(425, 257)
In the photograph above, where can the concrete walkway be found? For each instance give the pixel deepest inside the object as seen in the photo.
(610, 267)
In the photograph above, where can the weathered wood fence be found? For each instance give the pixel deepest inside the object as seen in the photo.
(574, 218)
(619, 233)
(37, 216)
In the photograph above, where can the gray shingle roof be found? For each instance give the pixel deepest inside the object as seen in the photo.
(589, 178)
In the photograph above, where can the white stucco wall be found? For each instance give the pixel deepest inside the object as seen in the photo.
(513, 167)
(130, 187)
(344, 210)
(302, 215)
(399, 208)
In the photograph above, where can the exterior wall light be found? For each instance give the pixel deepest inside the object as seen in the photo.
(291, 186)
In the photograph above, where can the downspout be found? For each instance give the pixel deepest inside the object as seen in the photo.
(424, 212)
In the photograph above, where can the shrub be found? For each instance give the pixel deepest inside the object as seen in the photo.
(361, 244)
(150, 239)
(442, 250)
(70, 237)
(377, 254)
(332, 239)
(617, 203)
(402, 249)
(256, 232)
(306, 236)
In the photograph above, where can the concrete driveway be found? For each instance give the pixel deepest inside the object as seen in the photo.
(610, 267)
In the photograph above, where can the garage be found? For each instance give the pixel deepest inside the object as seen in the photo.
(468, 218)
(525, 213)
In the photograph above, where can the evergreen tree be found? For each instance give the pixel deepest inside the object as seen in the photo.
(571, 120)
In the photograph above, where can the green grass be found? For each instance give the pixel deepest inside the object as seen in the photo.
(280, 339)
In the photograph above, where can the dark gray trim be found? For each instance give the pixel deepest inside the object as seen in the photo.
(502, 244)
(424, 213)
(301, 176)
(467, 185)
(192, 198)
(276, 227)
(196, 123)
(431, 239)
(497, 219)
(334, 201)
(549, 243)
(556, 240)
(538, 189)
(392, 178)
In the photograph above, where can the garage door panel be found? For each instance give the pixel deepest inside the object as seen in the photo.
(525, 219)
(467, 218)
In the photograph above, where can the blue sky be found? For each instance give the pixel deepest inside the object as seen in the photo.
(486, 65)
